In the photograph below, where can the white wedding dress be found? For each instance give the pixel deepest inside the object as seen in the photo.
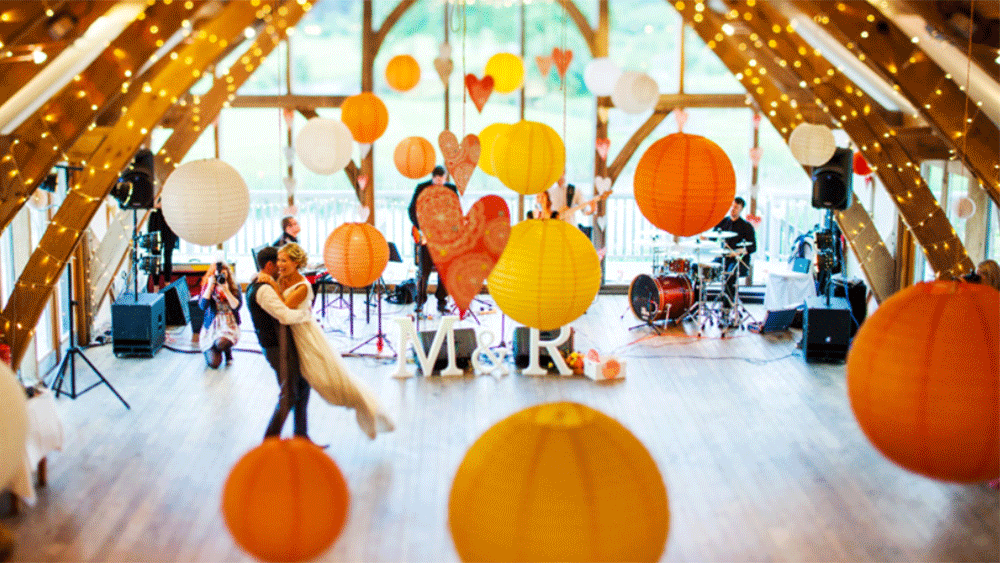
(326, 372)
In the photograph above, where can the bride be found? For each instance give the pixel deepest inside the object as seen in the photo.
(321, 365)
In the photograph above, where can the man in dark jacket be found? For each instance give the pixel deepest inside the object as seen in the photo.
(270, 317)
(424, 261)
(736, 262)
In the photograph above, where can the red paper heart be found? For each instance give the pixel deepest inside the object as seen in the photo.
(561, 59)
(464, 247)
(460, 159)
(479, 89)
(602, 148)
(544, 64)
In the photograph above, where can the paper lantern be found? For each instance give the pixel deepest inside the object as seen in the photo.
(402, 73)
(205, 201)
(964, 207)
(861, 167)
(547, 276)
(414, 157)
(507, 71)
(356, 254)
(684, 184)
(487, 138)
(812, 145)
(366, 116)
(558, 482)
(922, 380)
(285, 500)
(635, 92)
(529, 157)
(601, 75)
(324, 145)
(13, 425)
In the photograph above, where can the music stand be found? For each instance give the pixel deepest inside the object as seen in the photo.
(380, 337)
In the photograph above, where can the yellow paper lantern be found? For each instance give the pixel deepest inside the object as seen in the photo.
(285, 500)
(529, 157)
(507, 71)
(547, 276)
(684, 184)
(356, 254)
(402, 73)
(558, 482)
(414, 157)
(922, 377)
(487, 138)
(366, 116)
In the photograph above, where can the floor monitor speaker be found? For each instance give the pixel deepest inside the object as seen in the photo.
(522, 338)
(137, 325)
(465, 343)
(826, 329)
(175, 303)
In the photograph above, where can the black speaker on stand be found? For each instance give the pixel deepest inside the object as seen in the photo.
(833, 181)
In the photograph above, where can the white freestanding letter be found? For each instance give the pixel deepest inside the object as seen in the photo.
(553, 348)
(485, 339)
(408, 333)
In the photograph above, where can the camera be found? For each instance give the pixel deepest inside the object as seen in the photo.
(220, 273)
(973, 277)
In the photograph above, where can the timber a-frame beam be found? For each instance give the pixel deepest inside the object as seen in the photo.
(982, 54)
(891, 53)
(87, 195)
(853, 110)
(784, 113)
(30, 151)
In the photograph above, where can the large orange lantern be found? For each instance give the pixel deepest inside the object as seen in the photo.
(684, 184)
(548, 274)
(356, 254)
(922, 377)
(529, 157)
(402, 73)
(414, 157)
(366, 116)
(285, 500)
(558, 482)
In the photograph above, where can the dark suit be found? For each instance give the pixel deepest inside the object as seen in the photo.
(745, 238)
(283, 357)
(424, 261)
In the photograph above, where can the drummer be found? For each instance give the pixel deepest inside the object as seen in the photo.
(738, 247)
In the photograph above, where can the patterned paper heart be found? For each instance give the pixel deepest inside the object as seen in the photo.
(443, 66)
(464, 247)
(460, 159)
(561, 58)
(602, 148)
(544, 64)
(479, 89)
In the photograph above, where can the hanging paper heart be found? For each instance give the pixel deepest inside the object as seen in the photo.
(444, 50)
(460, 159)
(289, 154)
(602, 114)
(289, 115)
(289, 185)
(362, 213)
(464, 247)
(602, 183)
(755, 154)
(362, 181)
(604, 251)
(602, 222)
(544, 64)
(561, 59)
(754, 220)
(479, 89)
(602, 148)
(290, 211)
(681, 116)
(443, 66)
(365, 149)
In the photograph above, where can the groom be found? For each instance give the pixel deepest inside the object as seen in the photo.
(270, 317)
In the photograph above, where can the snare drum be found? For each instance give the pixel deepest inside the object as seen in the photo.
(709, 271)
(679, 265)
(653, 299)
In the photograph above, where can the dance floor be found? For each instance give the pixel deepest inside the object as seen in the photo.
(759, 451)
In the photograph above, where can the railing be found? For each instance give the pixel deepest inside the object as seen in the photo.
(628, 239)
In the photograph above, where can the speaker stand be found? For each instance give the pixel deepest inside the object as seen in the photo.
(379, 337)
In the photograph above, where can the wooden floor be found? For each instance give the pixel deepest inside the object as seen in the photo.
(760, 454)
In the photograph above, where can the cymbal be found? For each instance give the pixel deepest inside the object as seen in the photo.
(716, 235)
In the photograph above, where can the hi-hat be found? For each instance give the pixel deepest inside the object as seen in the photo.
(716, 235)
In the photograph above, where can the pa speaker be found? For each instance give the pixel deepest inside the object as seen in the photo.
(832, 181)
(465, 343)
(522, 346)
(175, 299)
(826, 329)
(137, 324)
(135, 189)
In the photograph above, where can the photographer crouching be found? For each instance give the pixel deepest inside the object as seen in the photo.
(221, 299)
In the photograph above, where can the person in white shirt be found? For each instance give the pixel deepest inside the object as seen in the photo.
(565, 196)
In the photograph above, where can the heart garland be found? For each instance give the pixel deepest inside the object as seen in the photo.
(602, 148)
(544, 64)
(562, 58)
(464, 247)
(479, 89)
(460, 159)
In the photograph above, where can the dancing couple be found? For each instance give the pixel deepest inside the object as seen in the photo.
(279, 298)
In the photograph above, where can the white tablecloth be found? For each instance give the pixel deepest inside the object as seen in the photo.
(787, 289)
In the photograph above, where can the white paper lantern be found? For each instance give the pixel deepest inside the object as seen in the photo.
(635, 92)
(600, 76)
(13, 425)
(324, 146)
(965, 207)
(205, 201)
(812, 145)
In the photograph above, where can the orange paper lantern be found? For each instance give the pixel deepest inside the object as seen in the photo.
(922, 377)
(285, 500)
(356, 254)
(558, 482)
(684, 184)
(366, 116)
(402, 73)
(414, 157)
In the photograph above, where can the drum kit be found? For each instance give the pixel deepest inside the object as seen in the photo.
(676, 290)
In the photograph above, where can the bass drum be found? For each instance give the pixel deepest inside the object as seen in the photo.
(654, 299)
